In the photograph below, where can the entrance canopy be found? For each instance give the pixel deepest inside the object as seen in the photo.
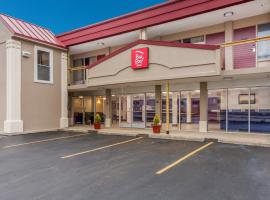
(145, 60)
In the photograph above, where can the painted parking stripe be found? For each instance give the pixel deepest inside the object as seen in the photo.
(46, 140)
(183, 158)
(101, 148)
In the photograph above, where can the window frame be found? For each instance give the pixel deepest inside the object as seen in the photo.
(257, 44)
(190, 38)
(50, 51)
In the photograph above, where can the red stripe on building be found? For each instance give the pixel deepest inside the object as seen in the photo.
(156, 15)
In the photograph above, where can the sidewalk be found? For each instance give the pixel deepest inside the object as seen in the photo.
(232, 138)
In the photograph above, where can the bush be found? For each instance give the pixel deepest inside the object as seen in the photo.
(97, 118)
(156, 120)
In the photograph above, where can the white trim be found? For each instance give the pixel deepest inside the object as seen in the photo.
(13, 123)
(64, 91)
(50, 51)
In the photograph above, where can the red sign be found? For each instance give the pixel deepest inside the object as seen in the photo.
(139, 58)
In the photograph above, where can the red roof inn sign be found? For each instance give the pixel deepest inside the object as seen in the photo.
(140, 58)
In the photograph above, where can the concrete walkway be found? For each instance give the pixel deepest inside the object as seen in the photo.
(232, 138)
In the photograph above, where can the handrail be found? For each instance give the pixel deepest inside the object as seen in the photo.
(77, 68)
(245, 41)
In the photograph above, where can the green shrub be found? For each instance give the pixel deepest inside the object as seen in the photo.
(97, 118)
(156, 120)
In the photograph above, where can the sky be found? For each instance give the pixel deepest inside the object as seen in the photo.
(65, 15)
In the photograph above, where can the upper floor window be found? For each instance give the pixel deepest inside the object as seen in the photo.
(43, 65)
(264, 46)
(84, 61)
(194, 40)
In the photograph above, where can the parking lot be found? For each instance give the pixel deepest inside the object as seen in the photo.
(69, 165)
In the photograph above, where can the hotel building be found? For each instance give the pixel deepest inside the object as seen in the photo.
(201, 65)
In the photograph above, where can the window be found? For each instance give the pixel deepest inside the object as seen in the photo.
(84, 61)
(194, 40)
(43, 65)
(78, 62)
(264, 46)
(79, 75)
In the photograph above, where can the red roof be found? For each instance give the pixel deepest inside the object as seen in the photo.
(157, 43)
(30, 31)
(162, 13)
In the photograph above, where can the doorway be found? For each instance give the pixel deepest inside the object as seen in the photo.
(132, 111)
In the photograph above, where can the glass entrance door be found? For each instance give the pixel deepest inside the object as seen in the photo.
(132, 111)
(138, 111)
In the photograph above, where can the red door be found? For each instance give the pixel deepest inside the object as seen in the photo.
(244, 55)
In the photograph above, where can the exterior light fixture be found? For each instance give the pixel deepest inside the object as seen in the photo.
(100, 43)
(26, 54)
(98, 101)
(228, 14)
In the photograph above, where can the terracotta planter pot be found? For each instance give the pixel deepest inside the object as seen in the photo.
(97, 125)
(156, 129)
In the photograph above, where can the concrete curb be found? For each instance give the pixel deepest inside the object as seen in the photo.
(259, 140)
(173, 137)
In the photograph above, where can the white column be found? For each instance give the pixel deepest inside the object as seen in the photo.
(64, 92)
(143, 34)
(13, 122)
(189, 107)
(174, 108)
(129, 110)
(228, 50)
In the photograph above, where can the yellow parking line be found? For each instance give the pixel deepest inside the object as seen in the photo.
(47, 140)
(183, 158)
(100, 148)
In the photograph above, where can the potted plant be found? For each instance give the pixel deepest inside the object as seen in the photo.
(97, 121)
(156, 124)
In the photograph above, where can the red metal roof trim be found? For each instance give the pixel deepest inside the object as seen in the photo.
(155, 15)
(30, 31)
(157, 43)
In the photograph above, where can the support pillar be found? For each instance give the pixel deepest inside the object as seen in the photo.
(13, 122)
(71, 110)
(92, 99)
(203, 107)
(229, 50)
(108, 108)
(168, 108)
(129, 109)
(189, 107)
(64, 92)
(158, 100)
(143, 34)
(175, 109)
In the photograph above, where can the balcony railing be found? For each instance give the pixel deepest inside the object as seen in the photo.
(249, 53)
(77, 75)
